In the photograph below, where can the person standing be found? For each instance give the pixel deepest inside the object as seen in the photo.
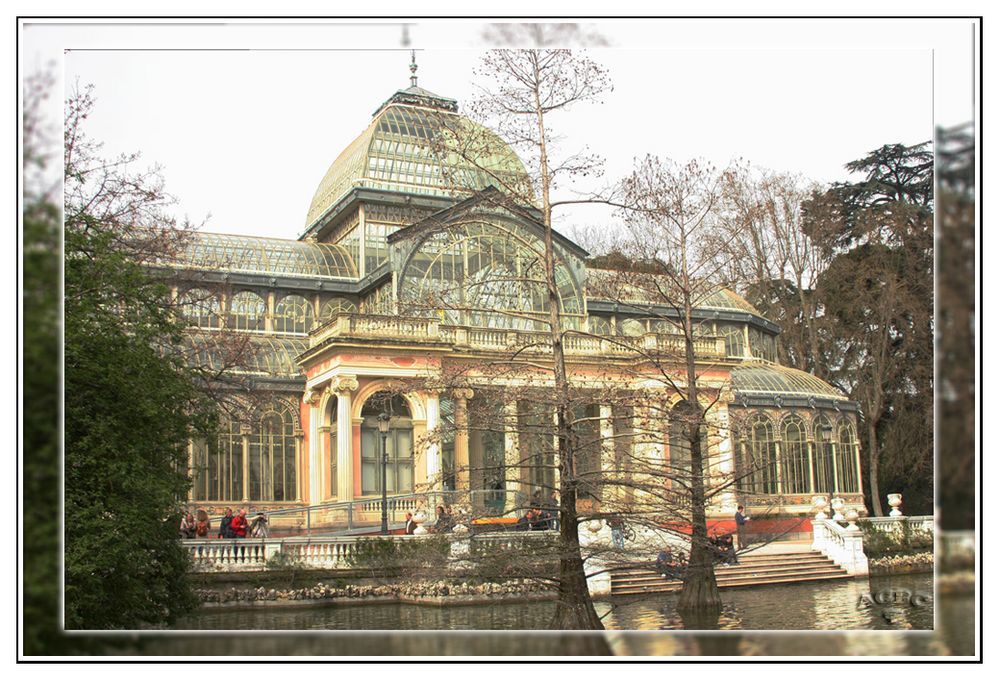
(617, 525)
(741, 527)
(240, 525)
(411, 524)
(226, 525)
(187, 526)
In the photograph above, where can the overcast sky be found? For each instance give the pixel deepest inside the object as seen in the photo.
(245, 135)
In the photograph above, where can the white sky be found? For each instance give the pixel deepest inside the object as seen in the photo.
(246, 118)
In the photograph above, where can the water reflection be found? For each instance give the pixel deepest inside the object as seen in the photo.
(837, 605)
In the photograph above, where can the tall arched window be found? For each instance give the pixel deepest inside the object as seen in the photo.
(733, 335)
(218, 465)
(247, 311)
(272, 455)
(600, 326)
(293, 314)
(201, 308)
(823, 454)
(760, 464)
(398, 444)
(488, 272)
(335, 306)
(847, 463)
(794, 456)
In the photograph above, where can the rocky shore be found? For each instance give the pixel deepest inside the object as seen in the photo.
(902, 564)
(438, 592)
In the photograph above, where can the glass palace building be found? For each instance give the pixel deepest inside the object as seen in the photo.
(410, 273)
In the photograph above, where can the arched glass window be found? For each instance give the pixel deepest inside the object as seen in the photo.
(247, 311)
(272, 455)
(847, 463)
(201, 308)
(218, 465)
(335, 306)
(794, 456)
(760, 464)
(398, 443)
(587, 427)
(762, 345)
(600, 326)
(488, 273)
(823, 454)
(632, 327)
(293, 314)
(733, 335)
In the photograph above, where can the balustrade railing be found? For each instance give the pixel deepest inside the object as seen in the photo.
(336, 553)
(420, 329)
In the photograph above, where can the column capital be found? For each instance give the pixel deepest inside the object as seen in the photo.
(463, 393)
(344, 384)
(311, 397)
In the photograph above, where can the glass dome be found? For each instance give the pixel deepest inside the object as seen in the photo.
(773, 379)
(420, 150)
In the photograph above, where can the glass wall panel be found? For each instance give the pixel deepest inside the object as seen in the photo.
(794, 457)
(293, 314)
(247, 311)
(201, 308)
(760, 463)
(823, 454)
(733, 335)
(847, 467)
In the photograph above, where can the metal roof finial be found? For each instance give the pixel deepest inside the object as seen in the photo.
(413, 68)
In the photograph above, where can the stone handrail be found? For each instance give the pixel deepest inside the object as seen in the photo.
(843, 545)
(333, 553)
(356, 325)
(923, 523)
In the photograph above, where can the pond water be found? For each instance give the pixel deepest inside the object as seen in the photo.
(833, 605)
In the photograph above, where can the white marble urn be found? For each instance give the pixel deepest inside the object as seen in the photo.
(420, 518)
(819, 507)
(895, 500)
(852, 518)
(837, 504)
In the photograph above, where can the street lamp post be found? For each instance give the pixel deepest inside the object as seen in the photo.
(383, 429)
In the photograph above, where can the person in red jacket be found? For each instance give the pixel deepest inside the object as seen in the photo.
(240, 524)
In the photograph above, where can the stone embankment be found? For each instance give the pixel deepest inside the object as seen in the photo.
(426, 592)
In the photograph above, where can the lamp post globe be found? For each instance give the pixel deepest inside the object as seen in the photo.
(383, 429)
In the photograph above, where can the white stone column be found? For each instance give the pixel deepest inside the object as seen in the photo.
(344, 387)
(311, 398)
(512, 454)
(433, 407)
(727, 459)
(609, 493)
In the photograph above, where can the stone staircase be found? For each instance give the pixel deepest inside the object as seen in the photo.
(752, 570)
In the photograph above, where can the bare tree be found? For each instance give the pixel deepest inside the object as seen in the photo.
(673, 207)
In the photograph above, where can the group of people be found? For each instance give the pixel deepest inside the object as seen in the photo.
(230, 526)
(670, 566)
(537, 519)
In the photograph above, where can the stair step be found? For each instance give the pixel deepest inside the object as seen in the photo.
(726, 579)
(733, 569)
(667, 587)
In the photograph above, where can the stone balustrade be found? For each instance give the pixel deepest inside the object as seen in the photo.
(843, 545)
(353, 325)
(332, 553)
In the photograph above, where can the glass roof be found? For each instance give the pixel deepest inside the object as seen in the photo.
(267, 355)
(258, 255)
(420, 151)
(773, 379)
(613, 285)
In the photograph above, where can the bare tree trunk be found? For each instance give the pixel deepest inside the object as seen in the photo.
(700, 590)
(574, 608)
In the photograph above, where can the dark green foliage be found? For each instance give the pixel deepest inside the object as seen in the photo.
(131, 405)
(877, 297)
(402, 557)
(899, 541)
